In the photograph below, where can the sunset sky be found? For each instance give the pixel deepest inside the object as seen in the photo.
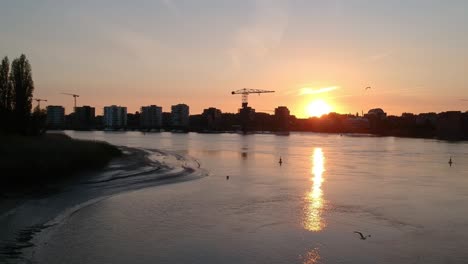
(413, 54)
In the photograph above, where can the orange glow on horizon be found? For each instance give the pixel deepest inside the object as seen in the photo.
(318, 108)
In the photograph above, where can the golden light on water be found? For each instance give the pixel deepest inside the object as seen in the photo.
(312, 257)
(318, 108)
(313, 220)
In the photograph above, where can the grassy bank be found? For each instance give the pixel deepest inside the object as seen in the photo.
(33, 160)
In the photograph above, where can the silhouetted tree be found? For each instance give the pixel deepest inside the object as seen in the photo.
(23, 87)
(5, 85)
(5, 94)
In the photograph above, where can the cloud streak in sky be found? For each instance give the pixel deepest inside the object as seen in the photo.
(307, 90)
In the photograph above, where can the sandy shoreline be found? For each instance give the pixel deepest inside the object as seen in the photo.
(23, 219)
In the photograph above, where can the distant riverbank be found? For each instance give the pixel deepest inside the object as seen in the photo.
(30, 161)
(415, 133)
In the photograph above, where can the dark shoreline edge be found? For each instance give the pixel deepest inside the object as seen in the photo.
(32, 163)
(135, 169)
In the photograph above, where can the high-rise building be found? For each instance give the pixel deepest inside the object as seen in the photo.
(115, 117)
(247, 116)
(55, 117)
(84, 117)
(151, 117)
(282, 118)
(211, 118)
(180, 116)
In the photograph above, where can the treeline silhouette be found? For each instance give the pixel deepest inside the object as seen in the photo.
(30, 158)
(16, 95)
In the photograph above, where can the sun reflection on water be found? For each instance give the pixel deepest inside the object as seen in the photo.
(313, 220)
(312, 257)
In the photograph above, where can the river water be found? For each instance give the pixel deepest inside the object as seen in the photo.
(400, 191)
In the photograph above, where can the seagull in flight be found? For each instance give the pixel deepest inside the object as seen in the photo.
(362, 236)
(367, 88)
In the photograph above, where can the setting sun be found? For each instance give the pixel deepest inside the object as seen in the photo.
(318, 108)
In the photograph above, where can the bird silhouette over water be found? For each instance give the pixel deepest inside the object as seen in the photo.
(450, 162)
(362, 236)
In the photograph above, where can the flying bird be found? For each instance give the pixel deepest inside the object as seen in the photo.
(368, 87)
(362, 236)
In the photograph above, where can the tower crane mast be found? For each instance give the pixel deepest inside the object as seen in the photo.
(74, 97)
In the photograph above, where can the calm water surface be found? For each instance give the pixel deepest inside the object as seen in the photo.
(400, 191)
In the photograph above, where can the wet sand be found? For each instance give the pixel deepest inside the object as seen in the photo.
(25, 216)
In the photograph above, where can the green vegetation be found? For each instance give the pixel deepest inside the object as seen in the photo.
(33, 160)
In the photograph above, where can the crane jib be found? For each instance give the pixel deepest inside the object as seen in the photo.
(245, 92)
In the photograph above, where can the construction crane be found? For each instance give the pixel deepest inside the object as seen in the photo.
(39, 102)
(74, 97)
(245, 93)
